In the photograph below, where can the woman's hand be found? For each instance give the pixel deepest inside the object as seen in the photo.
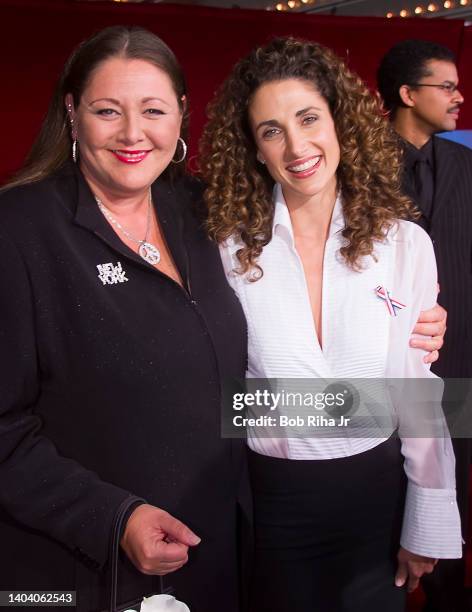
(156, 542)
(432, 325)
(411, 567)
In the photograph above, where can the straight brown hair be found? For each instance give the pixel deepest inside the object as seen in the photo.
(52, 147)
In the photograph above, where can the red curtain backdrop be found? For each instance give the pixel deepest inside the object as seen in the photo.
(464, 66)
(37, 37)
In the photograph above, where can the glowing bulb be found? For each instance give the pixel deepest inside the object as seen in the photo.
(389, 15)
(403, 13)
(279, 7)
(464, 2)
(447, 4)
(431, 7)
(291, 3)
(418, 10)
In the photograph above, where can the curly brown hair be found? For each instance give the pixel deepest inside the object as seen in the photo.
(239, 189)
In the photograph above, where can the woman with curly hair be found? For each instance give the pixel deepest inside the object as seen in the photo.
(303, 196)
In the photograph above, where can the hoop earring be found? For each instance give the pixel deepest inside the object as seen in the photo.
(74, 150)
(184, 151)
(74, 140)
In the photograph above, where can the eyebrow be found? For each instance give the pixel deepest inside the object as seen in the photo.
(275, 123)
(117, 102)
(305, 110)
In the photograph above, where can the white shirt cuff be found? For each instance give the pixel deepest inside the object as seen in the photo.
(431, 523)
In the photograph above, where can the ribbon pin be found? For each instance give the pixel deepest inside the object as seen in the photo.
(392, 304)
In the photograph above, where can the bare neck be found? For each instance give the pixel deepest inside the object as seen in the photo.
(311, 217)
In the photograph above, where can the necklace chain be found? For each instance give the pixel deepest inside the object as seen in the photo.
(148, 251)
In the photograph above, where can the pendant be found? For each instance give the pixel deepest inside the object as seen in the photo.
(149, 253)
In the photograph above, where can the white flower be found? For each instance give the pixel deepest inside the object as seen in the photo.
(163, 603)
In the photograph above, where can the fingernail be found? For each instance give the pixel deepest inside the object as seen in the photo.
(194, 540)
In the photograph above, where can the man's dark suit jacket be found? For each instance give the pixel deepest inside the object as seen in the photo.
(450, 228)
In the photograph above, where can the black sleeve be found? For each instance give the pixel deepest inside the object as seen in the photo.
(38, 487)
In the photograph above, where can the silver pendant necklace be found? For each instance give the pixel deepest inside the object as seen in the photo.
(146, 250)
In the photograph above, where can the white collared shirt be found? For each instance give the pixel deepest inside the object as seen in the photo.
(360, 340)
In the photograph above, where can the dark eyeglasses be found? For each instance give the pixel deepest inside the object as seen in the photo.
(449, 88)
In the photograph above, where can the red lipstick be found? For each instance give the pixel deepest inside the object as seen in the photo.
(130, 157)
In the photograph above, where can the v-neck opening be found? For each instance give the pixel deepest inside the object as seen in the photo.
(89, 216)
(321, 346)
(282, 218)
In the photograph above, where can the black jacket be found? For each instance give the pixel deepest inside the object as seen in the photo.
(110, 388)
(450, 228)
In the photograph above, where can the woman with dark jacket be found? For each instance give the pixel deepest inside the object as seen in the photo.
(115, 325)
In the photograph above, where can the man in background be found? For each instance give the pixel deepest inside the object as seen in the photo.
(418, 82)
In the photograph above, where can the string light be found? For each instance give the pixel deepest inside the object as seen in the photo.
(291, 4)
(418, 10)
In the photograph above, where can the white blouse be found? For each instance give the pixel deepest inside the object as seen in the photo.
(360, 340)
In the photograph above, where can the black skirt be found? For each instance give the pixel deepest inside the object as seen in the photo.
(327, 532)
